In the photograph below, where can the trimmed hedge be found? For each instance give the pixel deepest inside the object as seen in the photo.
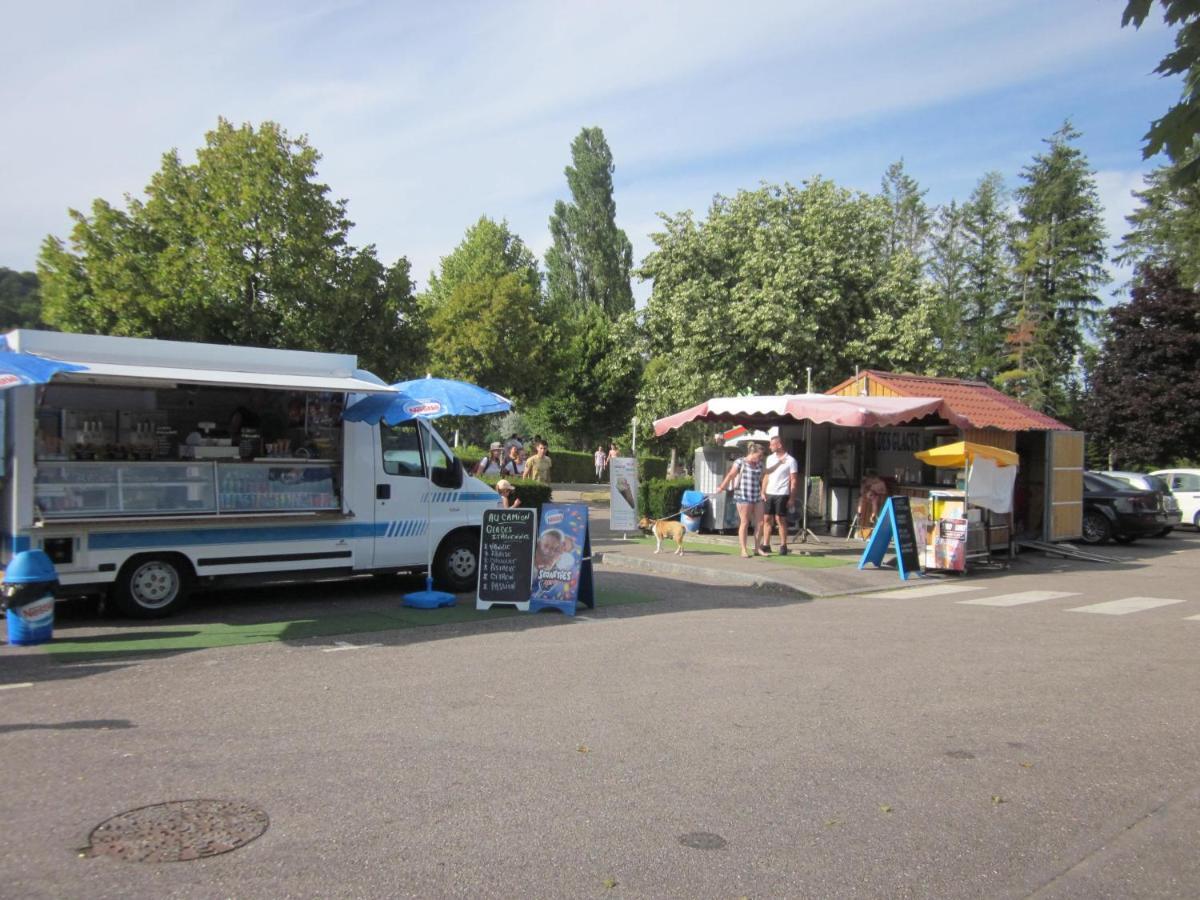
(660, 498)
(571, 466)
(650, 467)
(532, 494)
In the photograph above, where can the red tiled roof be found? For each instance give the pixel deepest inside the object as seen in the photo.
(967, 404)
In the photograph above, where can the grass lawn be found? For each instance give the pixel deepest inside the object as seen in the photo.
(795, 558)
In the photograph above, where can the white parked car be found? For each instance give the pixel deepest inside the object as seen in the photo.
(1168, 506)
(1185, 487)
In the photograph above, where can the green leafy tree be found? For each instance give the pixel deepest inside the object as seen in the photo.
(593, 394)
(773, 281)
(1059, 243)
(590, 260)
(1165, 228)
(243, 246)
(488, 250)
(20, 300)
(487, 332)
(1142, 407)
(380, 320)
(488, 320)
(1177, 130)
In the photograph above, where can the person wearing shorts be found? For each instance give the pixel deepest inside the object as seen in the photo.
(780, 476)
(745, 475)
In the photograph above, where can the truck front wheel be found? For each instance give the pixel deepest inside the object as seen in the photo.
(456, 567)
(151, 587)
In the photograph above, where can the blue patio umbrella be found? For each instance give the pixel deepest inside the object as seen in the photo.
(427, 398)
(25, 368)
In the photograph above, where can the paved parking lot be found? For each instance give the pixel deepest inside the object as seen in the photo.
(1020, 733)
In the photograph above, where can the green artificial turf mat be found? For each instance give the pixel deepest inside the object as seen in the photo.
(795, 558)
(150, 638)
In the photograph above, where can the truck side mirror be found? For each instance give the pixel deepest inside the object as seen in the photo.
(449, 476)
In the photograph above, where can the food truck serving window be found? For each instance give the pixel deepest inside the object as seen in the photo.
(100, 422)
(104, 450)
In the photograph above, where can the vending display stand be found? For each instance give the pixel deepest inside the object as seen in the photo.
(962, 525)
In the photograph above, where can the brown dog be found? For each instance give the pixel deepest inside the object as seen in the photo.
(664, 528)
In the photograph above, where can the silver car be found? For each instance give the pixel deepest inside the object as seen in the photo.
(1169, 510)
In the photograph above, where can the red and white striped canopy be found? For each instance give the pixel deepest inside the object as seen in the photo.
(852, 412)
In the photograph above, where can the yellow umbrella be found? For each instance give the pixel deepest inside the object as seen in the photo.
(963, 452)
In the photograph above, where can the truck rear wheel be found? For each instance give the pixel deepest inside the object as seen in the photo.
(151, 587)
(456, 566)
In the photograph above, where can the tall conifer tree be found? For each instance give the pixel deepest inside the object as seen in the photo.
(1059, 243)
(986, 223)
(591, 258)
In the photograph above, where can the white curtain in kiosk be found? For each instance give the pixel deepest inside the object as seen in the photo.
(990, 485)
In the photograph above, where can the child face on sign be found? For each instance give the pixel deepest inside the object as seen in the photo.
(551, 545)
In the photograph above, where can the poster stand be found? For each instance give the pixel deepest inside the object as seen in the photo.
(562, 560)
(894, 531)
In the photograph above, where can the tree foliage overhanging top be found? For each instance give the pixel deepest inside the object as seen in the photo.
(1179, 127)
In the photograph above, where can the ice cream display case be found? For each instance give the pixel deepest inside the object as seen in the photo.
(75, 489)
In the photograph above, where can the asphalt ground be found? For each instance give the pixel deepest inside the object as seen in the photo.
(700, 740)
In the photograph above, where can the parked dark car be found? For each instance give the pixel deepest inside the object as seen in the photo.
(1113, 509)
(1168, 505)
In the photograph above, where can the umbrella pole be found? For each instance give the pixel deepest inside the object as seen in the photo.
(428, 597)
(805, 531)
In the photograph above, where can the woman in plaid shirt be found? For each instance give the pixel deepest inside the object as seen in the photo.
(746, 475)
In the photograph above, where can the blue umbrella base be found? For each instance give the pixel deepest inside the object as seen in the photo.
(429, 599)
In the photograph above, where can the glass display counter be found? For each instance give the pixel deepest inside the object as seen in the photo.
(272, 486)
(72, 490)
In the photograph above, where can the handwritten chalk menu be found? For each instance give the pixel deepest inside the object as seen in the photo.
(506, 557)
(893, 530)
(906, 534)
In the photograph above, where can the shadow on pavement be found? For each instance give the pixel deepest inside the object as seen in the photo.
(331, 613)
(369, 609)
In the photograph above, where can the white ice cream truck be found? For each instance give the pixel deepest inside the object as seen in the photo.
(156, 468)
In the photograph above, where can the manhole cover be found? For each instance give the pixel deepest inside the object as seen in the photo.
(176, 831)
(703, 840)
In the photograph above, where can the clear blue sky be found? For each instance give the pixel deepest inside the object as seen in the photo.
(429, 115)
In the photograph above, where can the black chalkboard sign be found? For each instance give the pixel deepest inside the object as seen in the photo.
(906, 534)
(506, 557)
(894, 529)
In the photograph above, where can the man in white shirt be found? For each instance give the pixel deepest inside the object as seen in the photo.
(780, 477)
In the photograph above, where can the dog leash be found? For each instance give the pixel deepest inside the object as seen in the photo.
(689, 506)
